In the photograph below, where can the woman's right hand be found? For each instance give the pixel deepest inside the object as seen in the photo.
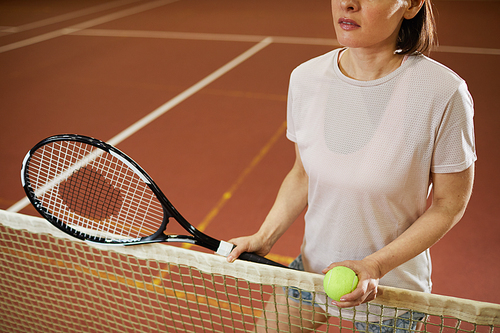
(253, 244)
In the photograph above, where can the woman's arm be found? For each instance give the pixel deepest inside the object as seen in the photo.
(451, 194)
(290, 202)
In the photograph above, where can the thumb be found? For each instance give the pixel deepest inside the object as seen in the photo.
(235, 252)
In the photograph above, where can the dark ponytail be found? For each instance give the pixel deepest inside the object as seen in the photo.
(419, 33)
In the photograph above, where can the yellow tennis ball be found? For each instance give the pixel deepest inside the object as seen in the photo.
(339, 281)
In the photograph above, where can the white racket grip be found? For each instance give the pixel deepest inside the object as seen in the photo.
(224, 248)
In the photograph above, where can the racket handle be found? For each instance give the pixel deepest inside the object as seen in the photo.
(256, 258)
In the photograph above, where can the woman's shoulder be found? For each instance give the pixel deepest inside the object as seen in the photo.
(318, 63)
(433, 70)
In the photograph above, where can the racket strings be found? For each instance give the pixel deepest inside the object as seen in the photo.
(90, 195)
(93, 192)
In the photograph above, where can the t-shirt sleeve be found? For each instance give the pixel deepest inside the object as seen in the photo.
(290, 130)
(455, 149)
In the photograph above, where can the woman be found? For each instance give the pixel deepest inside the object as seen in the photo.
(374, 125)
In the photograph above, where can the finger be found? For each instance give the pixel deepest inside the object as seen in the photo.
(334, 264)
(233, 256)
(349, 300)
(240, 245)
(371, 296)
(324, 271)
(235, 253)
(356, 297)
(359, 296)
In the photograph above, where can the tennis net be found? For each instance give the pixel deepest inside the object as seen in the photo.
(50, 282)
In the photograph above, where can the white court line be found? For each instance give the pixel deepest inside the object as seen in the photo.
(468, 50)
(190, 91)
(204, 36)
(65, 17)
(170, 104)
(85, 25)
(82, 29)
(255, 38)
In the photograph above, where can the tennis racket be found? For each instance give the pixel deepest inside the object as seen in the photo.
(94, 192)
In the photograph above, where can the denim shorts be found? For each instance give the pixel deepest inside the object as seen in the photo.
(404, 323)
(294, 293)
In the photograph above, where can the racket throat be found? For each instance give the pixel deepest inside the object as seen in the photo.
(180, 239)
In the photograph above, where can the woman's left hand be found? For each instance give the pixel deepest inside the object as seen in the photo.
(368, 275)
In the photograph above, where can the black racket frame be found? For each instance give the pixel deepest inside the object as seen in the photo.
(197, 237)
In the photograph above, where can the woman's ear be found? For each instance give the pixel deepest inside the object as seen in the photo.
(413, 8)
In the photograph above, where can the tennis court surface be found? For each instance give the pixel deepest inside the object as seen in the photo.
(195, 92)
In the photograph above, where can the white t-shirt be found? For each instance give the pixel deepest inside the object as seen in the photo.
(368, 148)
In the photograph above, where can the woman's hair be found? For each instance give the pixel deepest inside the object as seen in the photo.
(419, 33)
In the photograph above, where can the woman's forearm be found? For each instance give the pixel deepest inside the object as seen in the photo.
(451, 194)
(290, 202)
(450, 198)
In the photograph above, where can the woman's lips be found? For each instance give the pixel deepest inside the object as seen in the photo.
(348, 24)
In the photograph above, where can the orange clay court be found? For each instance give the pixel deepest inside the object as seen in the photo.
(212, 75)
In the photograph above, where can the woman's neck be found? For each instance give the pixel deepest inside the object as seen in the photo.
(365, 66)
